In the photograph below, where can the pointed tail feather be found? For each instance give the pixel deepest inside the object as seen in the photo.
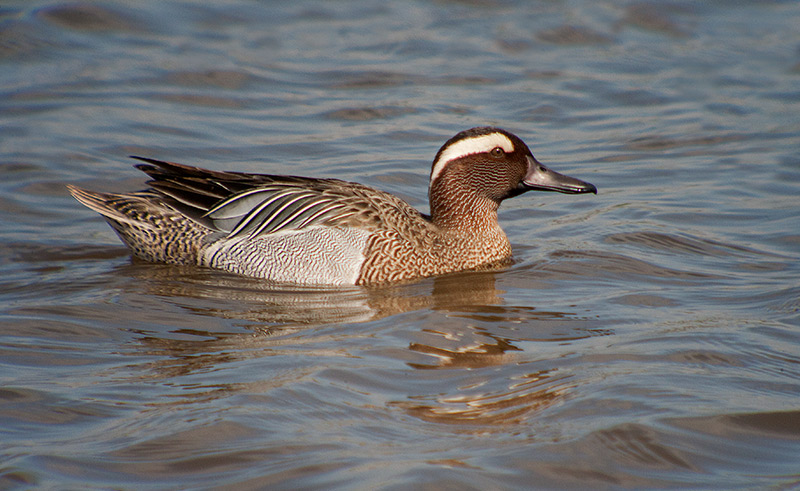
(150, 228)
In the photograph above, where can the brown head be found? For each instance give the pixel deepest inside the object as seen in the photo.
(478, 168)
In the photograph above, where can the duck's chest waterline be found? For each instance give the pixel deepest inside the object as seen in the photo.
(351, 256)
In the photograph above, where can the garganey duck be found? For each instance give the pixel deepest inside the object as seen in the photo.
(327, 231)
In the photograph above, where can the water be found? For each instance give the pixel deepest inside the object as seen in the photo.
(645, 337)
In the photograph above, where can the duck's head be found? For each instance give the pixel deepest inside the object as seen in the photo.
(486, 165)
(478, 168)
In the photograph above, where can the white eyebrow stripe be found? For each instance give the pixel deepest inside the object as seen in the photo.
(469, 146)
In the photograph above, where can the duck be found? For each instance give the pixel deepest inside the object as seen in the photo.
(323, 231)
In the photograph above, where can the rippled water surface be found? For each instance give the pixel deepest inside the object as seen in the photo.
(648, 336)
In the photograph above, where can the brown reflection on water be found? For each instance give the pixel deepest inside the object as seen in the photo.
(519, 387)
(474, 356)
(266, 315)
(279, 307)
(462, 321)
(487, 406)
(491, 342)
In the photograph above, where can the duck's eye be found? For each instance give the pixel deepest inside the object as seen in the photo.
(497, 152)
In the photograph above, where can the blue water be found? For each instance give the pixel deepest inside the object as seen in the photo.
(646, 337)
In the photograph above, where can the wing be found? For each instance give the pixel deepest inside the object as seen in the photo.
(241, 204)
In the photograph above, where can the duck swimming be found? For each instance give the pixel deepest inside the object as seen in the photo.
(311, 231)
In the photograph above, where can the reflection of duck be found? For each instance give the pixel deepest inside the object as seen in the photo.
(527, 385)
(327, 231)
(271, 308)
(271, 314)
(503, 405)
(467, 355)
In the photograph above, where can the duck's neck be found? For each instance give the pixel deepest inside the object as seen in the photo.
(456, 208)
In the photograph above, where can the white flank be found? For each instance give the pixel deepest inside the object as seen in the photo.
(312, 256)
(470, 146)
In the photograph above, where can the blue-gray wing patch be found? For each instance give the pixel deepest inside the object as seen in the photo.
(269, 209)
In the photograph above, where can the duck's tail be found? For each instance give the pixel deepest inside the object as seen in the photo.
(149, 227)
